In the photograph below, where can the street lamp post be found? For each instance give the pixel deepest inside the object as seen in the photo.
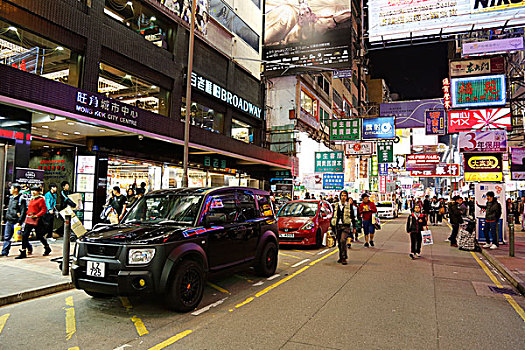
(185, 179)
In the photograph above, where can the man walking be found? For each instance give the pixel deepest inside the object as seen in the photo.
(14, 216)
(492, 216)
(342, 221)
(366, 210)
(456, 212)
(426, 206)
(118, 201)
(522, 213)
(49, 217)
(35, 211)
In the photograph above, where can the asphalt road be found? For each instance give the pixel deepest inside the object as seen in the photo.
(381, 300)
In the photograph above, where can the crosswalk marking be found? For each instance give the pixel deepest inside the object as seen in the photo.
(301, 262)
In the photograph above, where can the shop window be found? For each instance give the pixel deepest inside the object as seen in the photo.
(241, 131)
(309, 104)
(132, 90)
(204, 117)
(141, 19)
(31, 53)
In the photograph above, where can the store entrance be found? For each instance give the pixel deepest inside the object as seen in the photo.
(5, 150)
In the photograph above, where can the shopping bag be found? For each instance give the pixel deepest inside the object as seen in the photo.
(427, 237)
(17, 235)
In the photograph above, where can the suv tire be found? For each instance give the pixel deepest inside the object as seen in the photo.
(186, 287)
(267, 262)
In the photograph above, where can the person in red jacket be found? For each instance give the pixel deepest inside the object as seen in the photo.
(35, 210)
(366, 210)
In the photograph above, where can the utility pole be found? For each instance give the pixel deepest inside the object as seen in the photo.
(185, 178)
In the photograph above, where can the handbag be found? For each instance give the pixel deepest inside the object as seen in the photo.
(376, 222)
(427, 237)
(441, 211)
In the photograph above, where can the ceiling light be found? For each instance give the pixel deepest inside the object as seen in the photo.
(153, 18)
(45, 126)
(153, 87)
(60, 48)
(13, 29)
(46, 146)
(70, 123)
(101, 130)
(65, 134)
(129, 3)
(76, 133)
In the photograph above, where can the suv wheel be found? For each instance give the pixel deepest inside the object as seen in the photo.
(267, 263)
(187, 286)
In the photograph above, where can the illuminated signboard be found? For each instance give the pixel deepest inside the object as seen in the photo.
(358, 148)
(404, 19)
(480, 119)
(378, 128)
(494, 141)
(487, 90)
(483, 167)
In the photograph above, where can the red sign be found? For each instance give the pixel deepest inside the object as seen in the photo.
(440, 170)
(480, 119)
(382, 184)
(423, 158)
(446, 94)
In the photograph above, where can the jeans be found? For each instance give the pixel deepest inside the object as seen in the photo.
(454, 234)
(341, 235)
(433, 215)
(40, 234)
(368, 227)
(415, 242)
(490, 232)
(47, 222)
(8, 234)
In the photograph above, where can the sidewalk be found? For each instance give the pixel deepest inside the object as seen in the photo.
(32, 277)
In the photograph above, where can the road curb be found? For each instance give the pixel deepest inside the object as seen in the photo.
(35, 293)
(513, 279)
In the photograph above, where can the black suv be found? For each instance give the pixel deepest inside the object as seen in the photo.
(171, 240)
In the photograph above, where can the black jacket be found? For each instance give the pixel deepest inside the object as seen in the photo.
(492, 210)
(426, 206)
(456, 212)
(413, 224)
(16, 209)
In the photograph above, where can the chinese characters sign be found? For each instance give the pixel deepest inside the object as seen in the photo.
(374, 169)
(345, 129)
(479, 91)
(385, 151)
(333, 181)
(494, 65)
(378, 128)
(105, 108)
(422, 158)
(439, 170)
(358, 148)
(483, 141)
(329, 162)
(482, 167)
(435, 122)
(382, 184)
(480, 119)
(446, 94)
(383, 169)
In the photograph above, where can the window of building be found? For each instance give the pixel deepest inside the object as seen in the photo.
(31, 53)
(323, 83)
(226, 16)
(309, 104)
(347, 107)
(141, 19)
(242, 131)
(338, 100)
(324, 115)
(126, 88)
(204, 117)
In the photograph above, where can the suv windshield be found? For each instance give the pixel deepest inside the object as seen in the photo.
(298, 209)
(180, 209)
(385, 205)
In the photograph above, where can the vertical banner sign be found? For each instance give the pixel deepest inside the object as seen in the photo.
(374, 169)
(385, 151)
(447, 102)
(382, 184)
(345, 129)
(383, 169)
(435, 122)
(329, 162)
(333, 181)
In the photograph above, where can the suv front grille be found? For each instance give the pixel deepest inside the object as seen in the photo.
(102, 250)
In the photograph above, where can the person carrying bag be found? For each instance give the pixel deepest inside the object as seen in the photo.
(415, 225)
(342, 221)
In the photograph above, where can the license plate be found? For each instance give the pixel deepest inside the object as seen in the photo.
(96, 269)
(286, 235)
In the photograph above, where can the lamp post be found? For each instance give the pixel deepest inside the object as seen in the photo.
(185, 178)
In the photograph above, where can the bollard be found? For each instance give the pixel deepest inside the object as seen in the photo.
(66, 248)
(511, 235)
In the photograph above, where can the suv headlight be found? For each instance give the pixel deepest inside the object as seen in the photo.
(308, 226)
(141, 256)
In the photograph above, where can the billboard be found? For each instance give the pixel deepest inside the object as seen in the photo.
(410, 114)
(488, 90)
(333, 181)
(435, 122)
(378, 128)
(500, 45)
(313, 33)
(440, 170)
(358, 148)
(405, 19)
(480, 119)
(483, 66)
(517, 163)
(182, 9)
(329, 162)
(494, 141)
(483, 167)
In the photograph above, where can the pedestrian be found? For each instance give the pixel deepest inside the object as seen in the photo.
(427, 206)
(131, 197)
(434, 211)
(342, 222)
(415, 224)
(353, 215)
(49, 218)
(515, 211)
(522, 213)
(492, 216)
(471, 206)
(118, 201)
(307, 195)
(65, 202)
(143, 186)
(456, 212)
(367, 209)
(14, 216)
(35, 211)
(441, 211)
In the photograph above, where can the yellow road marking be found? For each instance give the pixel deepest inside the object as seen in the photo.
(290, 255)
(69, 301)
(171, 340)
(71, 326)
(324, 257)
(303, 251)
(126, 303)
(3, 320)
(249, 300)
(244, 278)
(287, 278)
(220, 289)
(74, 348)
(139, 325)
(493, 278)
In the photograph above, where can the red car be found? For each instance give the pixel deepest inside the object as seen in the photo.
(304, 222)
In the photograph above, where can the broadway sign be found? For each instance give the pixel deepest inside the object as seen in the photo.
(494, 141)
(439, 170)
(479, 119)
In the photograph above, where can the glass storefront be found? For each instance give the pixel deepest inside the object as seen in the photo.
(204, 117)
(242, 131)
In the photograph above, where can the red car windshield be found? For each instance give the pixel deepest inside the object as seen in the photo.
(298, 209)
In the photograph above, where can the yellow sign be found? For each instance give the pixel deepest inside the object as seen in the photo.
(483, 162)
(483, 176)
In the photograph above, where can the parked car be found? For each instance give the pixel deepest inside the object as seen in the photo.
(387, 210)
(172, 240)
(304, 222)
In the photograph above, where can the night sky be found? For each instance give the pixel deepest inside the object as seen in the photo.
(414, 72)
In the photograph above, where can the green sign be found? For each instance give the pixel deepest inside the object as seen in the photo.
(345, 129)
(215, 162)
(329, 162)
(385, 151)
(283, 174)
(374, 171)
(299, 188)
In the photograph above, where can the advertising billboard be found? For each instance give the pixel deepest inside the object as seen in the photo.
(358, 148)
(333, 181)
(483, 66)
(440, 170)
(483, 167)
(500, 45)
(488, 90)
(435, 122)
(479, 119)
(345, 129)
(329, 162)
(410, 114)
(517, 163)
(378, 128)
(182, 9)
(313, 33)
(405, 19)
(494, 141)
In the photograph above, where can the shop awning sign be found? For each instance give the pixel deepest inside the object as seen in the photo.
(435, 122)
(493, 141)
(480, 119)
(345, 129)
(378, 128)
(329, 162)
(439, 170)
(487, 90)
(494, 65)
(358, 148)
(333, 181)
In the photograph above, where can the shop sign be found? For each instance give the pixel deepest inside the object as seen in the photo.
(382, 184)
(333, 181)
(383, 169)
(479, 91)
(105, 108)
(378, 128)
(482, 167)
(494, 65)
(500, 45)
(422, 158)
(483, 141)
(439, 170)
(385, 151)
(374, 169)
(342, 74)
(345, 129)
(480, 119)
(86, 164)
(358, 148)
(517, 163)
(410, 114)
(447, 103)
(283, 174)
(29, 177)
(478, 177)
(215, 162)
(363, 168)
(435, 123)
(329, 162)
(212, 89)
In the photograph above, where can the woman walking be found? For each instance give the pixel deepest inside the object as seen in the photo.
(415, 224)
(342, 222)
